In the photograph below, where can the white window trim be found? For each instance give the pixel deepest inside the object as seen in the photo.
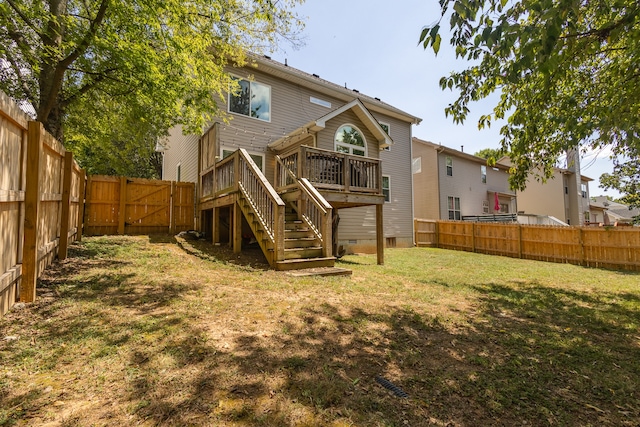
(320, 102)
(388, 189)
(249, 116)
(178, 172)
(387, 148)
(349, 146)
(454, 208)
(483, 174)
(416, 165)
(446, 166)
(254, 153)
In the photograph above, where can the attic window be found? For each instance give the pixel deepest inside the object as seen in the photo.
(321, 102)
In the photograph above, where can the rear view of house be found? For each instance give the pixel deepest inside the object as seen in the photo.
(305, 167)
(451, 184)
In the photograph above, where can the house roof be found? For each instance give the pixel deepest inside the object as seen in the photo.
(317, 125)
(507, 161)
(458, 153)
(312, 81)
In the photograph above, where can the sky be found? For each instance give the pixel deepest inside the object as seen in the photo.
(372, 46)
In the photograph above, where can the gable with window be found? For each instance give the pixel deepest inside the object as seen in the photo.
(253, 99)
(350, 140)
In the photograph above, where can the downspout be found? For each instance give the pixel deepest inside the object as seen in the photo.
(438, 152)
(413, 214)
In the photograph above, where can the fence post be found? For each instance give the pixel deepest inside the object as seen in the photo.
(31, 210)
(437, 234)
(473, 237)
(66, 200)
(581, 242)
(81, 201)
(172, 208)
(123, 204)
(520, 241)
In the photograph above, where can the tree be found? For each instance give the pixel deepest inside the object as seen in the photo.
(163, 60)
(626, 179)
(111, 138)
(491, 154)
(568, 74)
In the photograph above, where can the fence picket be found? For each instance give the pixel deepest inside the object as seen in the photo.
(603, 247)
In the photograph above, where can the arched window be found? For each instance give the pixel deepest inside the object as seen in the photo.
(350, 140)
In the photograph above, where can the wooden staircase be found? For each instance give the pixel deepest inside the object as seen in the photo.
(302, 249)
(293, 231)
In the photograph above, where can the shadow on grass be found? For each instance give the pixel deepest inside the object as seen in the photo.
(528, 354)
(536, 355)
(250, 257)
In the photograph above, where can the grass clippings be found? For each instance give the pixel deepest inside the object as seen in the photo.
(143, 331)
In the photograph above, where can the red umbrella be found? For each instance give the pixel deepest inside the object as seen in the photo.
(496, 202)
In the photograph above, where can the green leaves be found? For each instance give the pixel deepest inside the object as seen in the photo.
(160, 61)
(567, 72)
(430, 37)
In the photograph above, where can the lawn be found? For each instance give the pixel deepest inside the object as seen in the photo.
(145, 331)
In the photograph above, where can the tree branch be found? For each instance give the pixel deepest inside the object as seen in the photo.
(99, 77)
(22, 83)
(84, 44)
(22, 16)
(61, 67)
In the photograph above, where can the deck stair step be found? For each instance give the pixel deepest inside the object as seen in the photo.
(300, 253)
(298, 234)
(300, 242)
(297, 264)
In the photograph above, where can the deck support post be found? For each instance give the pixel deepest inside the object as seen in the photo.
(215, 225)
(237, 228)
(379, 234)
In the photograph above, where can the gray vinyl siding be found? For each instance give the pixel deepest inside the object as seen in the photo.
(183, 150)
(466, 184)
(290, 109)
(360, 223)
(326, 137)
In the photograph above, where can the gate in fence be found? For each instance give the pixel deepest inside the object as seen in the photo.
(119, 205)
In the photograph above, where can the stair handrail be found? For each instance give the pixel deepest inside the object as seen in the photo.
(317, 214)
(264, 200)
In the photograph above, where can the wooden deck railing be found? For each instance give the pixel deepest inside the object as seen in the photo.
(330, 170)
(314, 210)
(206, 182)
(266, 203)
(224, 178)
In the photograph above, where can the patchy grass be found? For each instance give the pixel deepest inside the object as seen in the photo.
(142, 331)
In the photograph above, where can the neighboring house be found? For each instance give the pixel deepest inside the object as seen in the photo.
(564, 196)
(597, 213)
(451, 184)
(316, 147)
(616, 213)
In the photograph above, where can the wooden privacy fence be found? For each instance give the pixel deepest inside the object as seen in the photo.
(119, 205)
(604, 247)
(41, 203)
